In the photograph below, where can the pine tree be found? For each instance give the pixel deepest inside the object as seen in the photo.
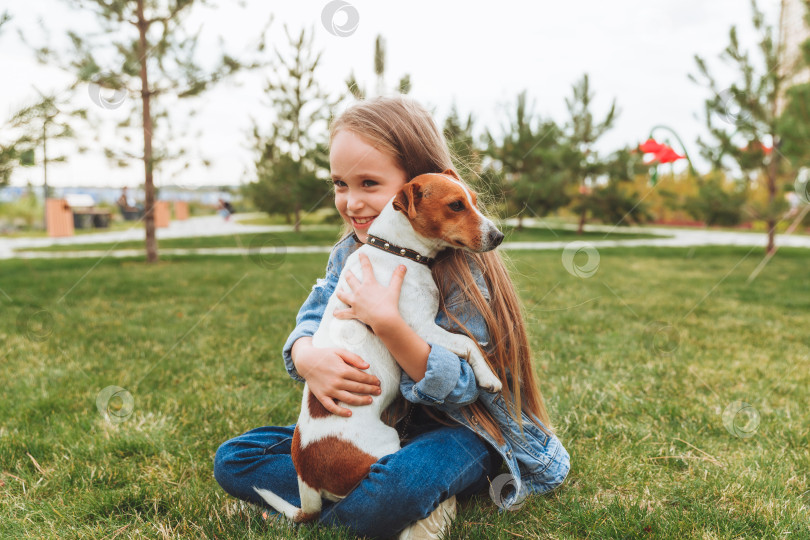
(581, 133)
(49, 119)
(743, 118)
(468, 159)
(616, 200)
(528, 161)
(359, 92)
(292, 157)
(9, 155)
(143, 52)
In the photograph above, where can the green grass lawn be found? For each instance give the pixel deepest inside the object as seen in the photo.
(326, 235)
(638, 364)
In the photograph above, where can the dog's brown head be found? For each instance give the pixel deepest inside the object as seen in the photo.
(440, 206)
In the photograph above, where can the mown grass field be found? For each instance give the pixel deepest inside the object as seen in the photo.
(638, 364)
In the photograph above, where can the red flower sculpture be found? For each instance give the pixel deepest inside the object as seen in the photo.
(651, 146)
(667, 155)
(662, 153)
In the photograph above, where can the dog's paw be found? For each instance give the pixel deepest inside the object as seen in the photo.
(488, 381)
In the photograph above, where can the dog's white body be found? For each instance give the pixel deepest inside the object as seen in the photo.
(418, 305)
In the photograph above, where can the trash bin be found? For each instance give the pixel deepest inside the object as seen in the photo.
(101, 220)
(180, 210)
(162, 214)
(82, 221)
(60, 218)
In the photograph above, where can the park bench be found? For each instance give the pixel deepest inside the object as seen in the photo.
(85, 214)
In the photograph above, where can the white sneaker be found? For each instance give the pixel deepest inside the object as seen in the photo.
(435, 525)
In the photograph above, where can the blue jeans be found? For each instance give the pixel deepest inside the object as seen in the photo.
(436, 463)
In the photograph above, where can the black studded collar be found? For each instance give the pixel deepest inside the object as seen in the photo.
(411, 254)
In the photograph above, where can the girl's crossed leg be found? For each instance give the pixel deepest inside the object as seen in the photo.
(400, 488)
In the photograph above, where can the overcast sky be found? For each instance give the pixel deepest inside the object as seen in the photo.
(479, 55)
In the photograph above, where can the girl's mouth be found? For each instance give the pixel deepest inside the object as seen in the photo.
(364, 223)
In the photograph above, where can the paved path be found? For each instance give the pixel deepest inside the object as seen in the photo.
(193, 227)
(215, 226)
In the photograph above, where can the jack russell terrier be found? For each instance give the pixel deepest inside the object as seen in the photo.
(331, 453)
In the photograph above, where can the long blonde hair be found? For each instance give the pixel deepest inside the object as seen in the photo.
(406, 131)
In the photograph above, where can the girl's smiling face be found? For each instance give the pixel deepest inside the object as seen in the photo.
(365, 179)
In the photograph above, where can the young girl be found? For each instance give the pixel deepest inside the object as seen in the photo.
(454, 437)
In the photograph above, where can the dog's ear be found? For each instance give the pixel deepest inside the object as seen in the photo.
(405, 201)
(451, 172)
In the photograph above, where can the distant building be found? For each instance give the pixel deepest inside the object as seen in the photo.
(793, 31)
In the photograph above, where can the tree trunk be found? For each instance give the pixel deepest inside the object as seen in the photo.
(149, 186)
(520, 222)
(581, 228)
(771, 248)
(297, 227)
(45, 173)
(772, 170)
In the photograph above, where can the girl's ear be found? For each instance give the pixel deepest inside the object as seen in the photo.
(451, 172)
(405, 200)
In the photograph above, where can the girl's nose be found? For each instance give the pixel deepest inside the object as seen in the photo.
(354, 203)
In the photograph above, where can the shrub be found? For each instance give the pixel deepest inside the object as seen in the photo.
(716, 204)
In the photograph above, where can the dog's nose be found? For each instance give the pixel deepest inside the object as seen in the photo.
(495, 238)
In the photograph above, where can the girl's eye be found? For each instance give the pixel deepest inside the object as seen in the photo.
(366, 183)
(456, 206)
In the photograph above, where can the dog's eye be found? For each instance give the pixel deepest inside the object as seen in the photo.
(456, 206)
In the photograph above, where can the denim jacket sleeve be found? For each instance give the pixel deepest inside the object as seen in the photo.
(310, 315)
(449, 382)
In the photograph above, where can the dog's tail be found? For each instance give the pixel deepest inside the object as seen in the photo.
(292, 512)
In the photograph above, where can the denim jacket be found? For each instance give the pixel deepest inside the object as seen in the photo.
(537, 462)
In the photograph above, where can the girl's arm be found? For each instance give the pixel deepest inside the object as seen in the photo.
(332, 374)
(409, 350)
(335, 375)
(449, 382)
(432, 374)
(311, 312)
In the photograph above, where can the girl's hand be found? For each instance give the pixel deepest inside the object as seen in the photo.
(335, 374)
(370, 302)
